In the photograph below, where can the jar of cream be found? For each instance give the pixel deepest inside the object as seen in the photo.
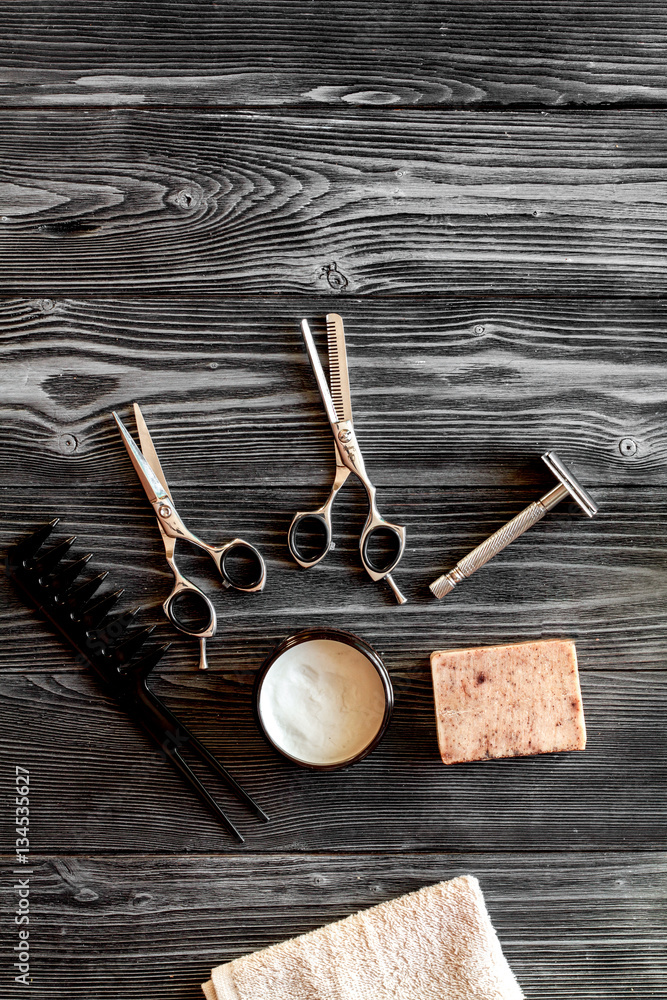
(323, 698)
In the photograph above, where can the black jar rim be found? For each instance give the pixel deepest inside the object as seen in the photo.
(336, 635)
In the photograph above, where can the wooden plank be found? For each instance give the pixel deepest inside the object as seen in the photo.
(248, 220)
(267, 202)
(362, 53)
(125, 927)
(600, 581)
(462, 392)
(102, 786)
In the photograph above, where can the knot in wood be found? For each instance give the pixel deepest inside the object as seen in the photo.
(336, 278)
(627, 447)
(185, 198)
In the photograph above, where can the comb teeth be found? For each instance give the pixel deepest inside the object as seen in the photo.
(334, 368)
(118, 625)
(48, 562)
(146, 663)
(31, 545)
(93, 615)
(107, 640)
(78, 598)
(128, 649)
(66, 575)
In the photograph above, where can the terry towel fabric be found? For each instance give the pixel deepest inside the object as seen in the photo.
(435, 944)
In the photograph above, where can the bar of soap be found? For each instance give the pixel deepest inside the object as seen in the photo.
(507, 701)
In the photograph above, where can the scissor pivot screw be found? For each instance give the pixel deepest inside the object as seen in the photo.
(345, 435)
(165, 511)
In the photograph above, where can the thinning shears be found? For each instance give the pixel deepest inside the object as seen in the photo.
(239, 564)
(309, 538)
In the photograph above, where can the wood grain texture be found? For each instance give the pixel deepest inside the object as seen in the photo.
(573, 925)
(601, 582)
(462, 392)
(101, 785)
(358, 203)
(352, 54)
(502, 278)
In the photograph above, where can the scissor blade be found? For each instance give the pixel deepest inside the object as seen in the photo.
(322, 384)
(150, 454)
(150, 482)
(148, 448)
(338, 375)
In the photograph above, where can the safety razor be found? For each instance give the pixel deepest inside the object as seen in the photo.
(495, 543)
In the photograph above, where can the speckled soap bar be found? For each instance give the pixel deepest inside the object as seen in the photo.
(508, 701)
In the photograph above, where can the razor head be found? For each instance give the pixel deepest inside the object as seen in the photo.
(576, 491)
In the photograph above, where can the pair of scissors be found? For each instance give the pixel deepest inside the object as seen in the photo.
(239, 564)
(309, 538)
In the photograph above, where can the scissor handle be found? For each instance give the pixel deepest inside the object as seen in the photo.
(189, 610)
(381, 545)
(315, 540)
(248, 577)
(240, 565)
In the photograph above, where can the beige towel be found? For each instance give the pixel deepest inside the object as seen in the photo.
(435, 944)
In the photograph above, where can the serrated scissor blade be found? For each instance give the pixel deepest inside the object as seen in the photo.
(338, 375)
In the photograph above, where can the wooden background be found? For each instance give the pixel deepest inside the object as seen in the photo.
(480, 190)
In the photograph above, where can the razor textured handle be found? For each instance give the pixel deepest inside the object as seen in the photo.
(494, 544)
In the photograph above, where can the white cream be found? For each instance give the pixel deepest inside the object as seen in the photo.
(322, 702)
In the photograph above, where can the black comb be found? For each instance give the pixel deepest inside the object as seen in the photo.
(113, 647)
